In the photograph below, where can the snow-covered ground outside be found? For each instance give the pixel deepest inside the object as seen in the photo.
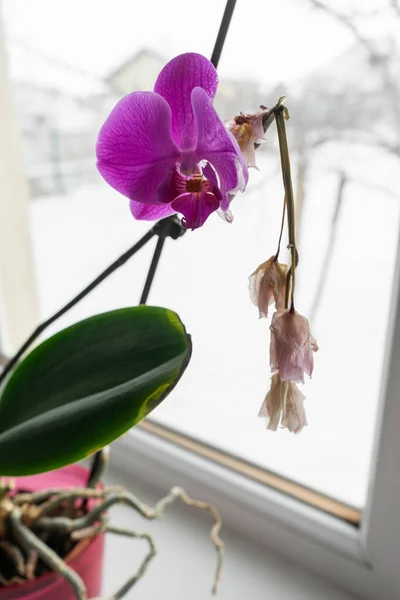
(203, 276)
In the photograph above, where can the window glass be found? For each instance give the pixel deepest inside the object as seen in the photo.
(71, 61)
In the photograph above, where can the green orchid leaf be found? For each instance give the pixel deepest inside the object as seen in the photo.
(88, 384)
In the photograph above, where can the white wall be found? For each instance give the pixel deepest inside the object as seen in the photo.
(18, 308)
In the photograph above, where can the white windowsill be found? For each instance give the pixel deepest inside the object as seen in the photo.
(321, 543)
(185, 562)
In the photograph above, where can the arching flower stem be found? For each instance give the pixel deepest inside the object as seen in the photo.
(281, 115)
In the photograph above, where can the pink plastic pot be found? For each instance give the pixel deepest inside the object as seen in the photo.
(86, 558)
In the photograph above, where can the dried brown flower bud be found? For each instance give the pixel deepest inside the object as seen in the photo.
(248, 130)
(284, 405)
(267, 285)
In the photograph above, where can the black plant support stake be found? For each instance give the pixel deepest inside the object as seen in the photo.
(223, 30)
(169, 227)
(172, 226)
(89, 288)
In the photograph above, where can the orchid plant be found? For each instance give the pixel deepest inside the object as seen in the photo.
(169, 153)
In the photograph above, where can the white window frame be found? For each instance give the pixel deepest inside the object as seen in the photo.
(363, 560)
(18, 302)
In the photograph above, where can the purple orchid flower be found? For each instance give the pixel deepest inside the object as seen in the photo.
(168, 151)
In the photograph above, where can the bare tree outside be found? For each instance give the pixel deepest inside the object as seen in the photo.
(350, 105)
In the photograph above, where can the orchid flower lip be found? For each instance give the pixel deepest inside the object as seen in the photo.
(195, 197)
(150, 136)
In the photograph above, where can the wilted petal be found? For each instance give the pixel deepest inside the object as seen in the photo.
(216, 145)
(135, 149)
(272, 405)
(314, 344)
(249, 155)
(293, 414)
(244, 136)
(175, 83)
(263, 412)
(284, 405)
(248, 130)
(267, 285)
(290, 348)
(280, 272)
(261, 297)
(256, 124)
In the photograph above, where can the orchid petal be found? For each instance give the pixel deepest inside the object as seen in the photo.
(172, 186)
(267, 285)
(217, 145)
(135, 149)
(150, 212)
(210, 174)
(175, 83)
(290, 346)
(225, 215)
(284, 404)
(249, 155)
(293, 415)
(272, 405)
(195, 207)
